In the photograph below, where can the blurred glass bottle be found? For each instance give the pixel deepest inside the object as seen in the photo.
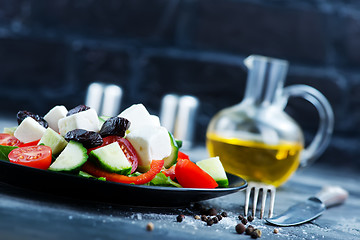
(256, 139)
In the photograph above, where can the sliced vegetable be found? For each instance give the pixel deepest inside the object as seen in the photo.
(10, 130)
(182, 155)
(111, 158)
(215, 169)
(155, 168)
(33, 143)
(70, 159)
(171, 159)
(127, 148)
(32, 156)
(189, 175)
(170, 172)
(8, 140)
(53, 140)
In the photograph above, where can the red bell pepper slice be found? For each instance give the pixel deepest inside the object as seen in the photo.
(33, 143)
(170, 172)
(190, 175)
(182, 155)
(155, 168)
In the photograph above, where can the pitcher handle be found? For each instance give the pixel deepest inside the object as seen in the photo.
(326, 120)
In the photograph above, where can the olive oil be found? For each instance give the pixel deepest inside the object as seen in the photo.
(254, 161)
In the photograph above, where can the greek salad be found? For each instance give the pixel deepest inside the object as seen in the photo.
(130, 148)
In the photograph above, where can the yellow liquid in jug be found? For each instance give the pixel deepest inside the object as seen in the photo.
(254, 161)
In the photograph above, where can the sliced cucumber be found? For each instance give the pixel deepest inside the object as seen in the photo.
(215, 169)
(9, 130)
(53, 140)
(111, 158)
(70, 159)
(171, 159)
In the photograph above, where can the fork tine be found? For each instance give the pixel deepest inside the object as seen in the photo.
(256, 187)
(256, 195)
(272, 200)
(247, 198)
(263, 201)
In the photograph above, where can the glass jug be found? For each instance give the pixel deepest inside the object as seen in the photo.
(256, 139)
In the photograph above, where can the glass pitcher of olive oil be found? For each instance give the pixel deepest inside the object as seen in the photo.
(256, 139)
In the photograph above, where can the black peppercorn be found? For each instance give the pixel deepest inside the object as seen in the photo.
(256, 233)
(240, 228)
(219, 217)
(180, 218)
(212, 212)
(203, 218)
(244, 221)
(215, 219)
(224, 214)
(250, 218)
(249, 230)
(210, 222)
(241, 217)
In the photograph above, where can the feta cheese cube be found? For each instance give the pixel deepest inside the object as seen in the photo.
(54, 115)
(150, 143)
(29, 130)
(87, 120)
(139, 117)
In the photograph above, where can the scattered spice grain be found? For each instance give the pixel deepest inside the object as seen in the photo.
(149, 226)
(180, 217)
(249, 230)
(240, 228)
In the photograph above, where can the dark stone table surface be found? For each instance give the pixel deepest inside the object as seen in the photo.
(26, 214)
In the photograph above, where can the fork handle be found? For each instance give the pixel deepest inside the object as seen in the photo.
(332, 195)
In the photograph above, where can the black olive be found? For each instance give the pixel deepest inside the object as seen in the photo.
(88, 139)
(77, 109)
(115, 126)
(21, 115)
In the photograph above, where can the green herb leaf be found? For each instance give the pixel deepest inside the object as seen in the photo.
(162, 180)
(4, 152)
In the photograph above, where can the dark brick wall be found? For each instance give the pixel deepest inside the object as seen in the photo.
(51, 50)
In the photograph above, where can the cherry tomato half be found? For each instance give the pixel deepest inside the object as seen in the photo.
(190, 175)
(127, 148)
(9, 140)
(155, 168)
(32, 156)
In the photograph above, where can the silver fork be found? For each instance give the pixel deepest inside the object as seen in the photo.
(256, 186)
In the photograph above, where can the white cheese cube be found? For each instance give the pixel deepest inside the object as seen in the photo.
(139, 117)
(87, 120)
(154, 120)
(54, 115)
(150, 143)
(29, 130)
